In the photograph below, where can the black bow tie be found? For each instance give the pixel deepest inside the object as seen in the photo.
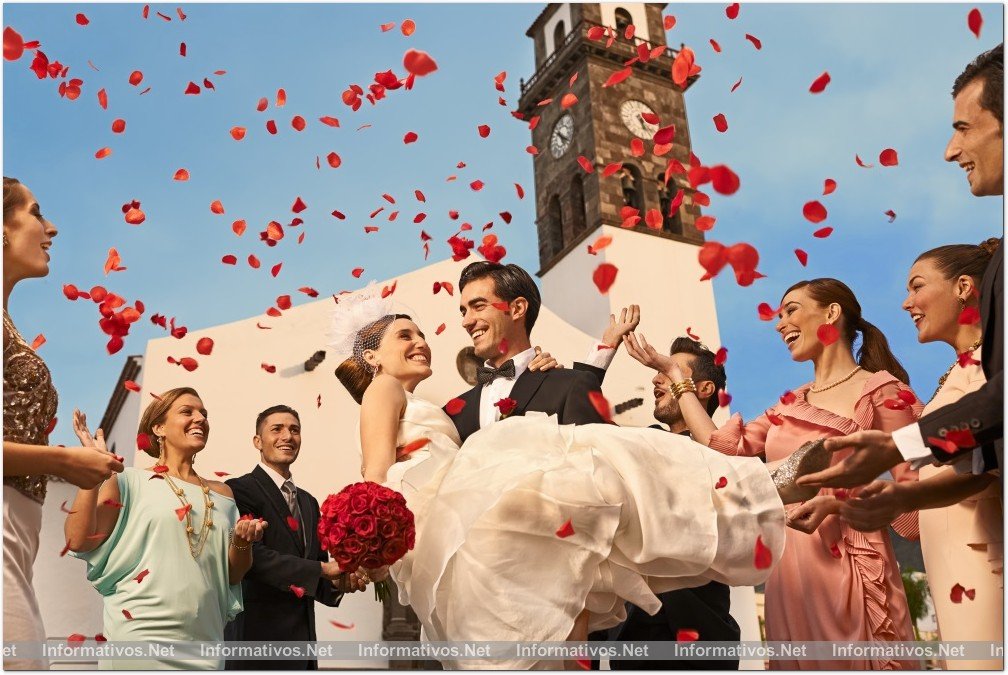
(485, 375)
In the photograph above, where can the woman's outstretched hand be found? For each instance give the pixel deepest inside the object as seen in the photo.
(249, 531)
(638, 347)
(92, 464)
(543, 361)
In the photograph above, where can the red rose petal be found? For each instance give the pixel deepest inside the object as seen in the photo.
(705, 223)
(103, 153)
(974, 21)
(204, 346)
(724, 398)
(13, 44)
(732, 10)
(762, 556)
(664, 135)
(181, 175)
(819, 84)
(565, 530)
(418, 63)
(969, 315)
(410, 137)
(888, 157)
(766, 312)
(297, 590)
(891, 214)
(182, 511)
(229, 260)
(720, 123)
(217, 207)
(754, 40)
(827, 334)
(814, 212)
(75, 638)
(823, 232)
(956, 595)
(722, 482)
(736, 86)
(788, 397)
(192, 89)
(618, 77)
(601, 405)
(687, 635)
(829, 185)
(604, 277)
(802, 256)
(857, 159)
(293, 523)
(454, 406)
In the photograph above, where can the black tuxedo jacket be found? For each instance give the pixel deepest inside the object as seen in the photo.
(280, 560)
(981, 411)
(560, 392)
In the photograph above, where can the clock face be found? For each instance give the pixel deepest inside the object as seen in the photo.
(630, 113)
(562, 136)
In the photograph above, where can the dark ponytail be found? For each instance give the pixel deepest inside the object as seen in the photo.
(874, 354)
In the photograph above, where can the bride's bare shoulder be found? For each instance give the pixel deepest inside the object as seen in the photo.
(384, 388)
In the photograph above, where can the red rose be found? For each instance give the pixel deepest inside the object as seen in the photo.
(364, 526)
(382, 511)
(359, 504)
(346, 561)
(371, 562)
(410, 538)
(398, 511)
(353, 545)
(388, 529)
(393, 550)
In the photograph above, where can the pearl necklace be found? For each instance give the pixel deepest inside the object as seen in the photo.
(204, 533)
(941, 380)
(834, 384)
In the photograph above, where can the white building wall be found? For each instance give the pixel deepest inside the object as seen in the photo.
(636, 10)
(563, 13)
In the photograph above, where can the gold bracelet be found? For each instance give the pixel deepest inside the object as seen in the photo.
(237, 547)
(681, 387)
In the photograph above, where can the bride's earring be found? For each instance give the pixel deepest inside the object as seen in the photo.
(160, 444)
(374, 370)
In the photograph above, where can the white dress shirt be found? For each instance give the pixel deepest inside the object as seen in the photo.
(501, 388)
(276, 477)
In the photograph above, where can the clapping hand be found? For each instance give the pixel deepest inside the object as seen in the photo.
(249, 530)
(543, 361)
(89, 465)
(617, 330)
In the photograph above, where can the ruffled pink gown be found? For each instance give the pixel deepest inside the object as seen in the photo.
(836, 583)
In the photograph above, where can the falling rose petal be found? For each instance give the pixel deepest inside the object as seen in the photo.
(140, 577)
(612, 168)
(664, 135)
(653, 219)
(103, 153)
(237, 133)
(617, 77)
(819, 84)
(418, 63)
(182, 49)
(601, 405)
(754, 40)
(705, 223)
(253, 262)
(13, 44)
(956, 595)
(720, 123)
(293, 524)
(762, 556)
(802, 256)
(721, 357)
(192, 89)
(829, 185)
(217, 207)
(827, 334)
(182, 511)
(600, 244)
(454, 406)
(103, 99)
(181, 175)
(275, 270)
(970, 593)
(724, 398)
(408, 26)
(131, 385)
(297, 590)
(135, 78)
(281, 98)
(604, 276)
(974, 21)
(814, 212)
(690, 334)
(410, 137)
(229, 260)
(39, 340)
(715, 46)
(271, 127)
(891, 214)
(732, 10)
(888, 157)
(585, 164)
(566, 530)
(204, 346)
(342, 626)
(520, 191)
(736, 86)
(822, 232)
(722, 482)
(969, 315)
(568, 101)
(75, 638)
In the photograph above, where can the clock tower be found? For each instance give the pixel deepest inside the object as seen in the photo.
(578, 48)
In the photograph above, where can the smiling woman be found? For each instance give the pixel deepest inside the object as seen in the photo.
(184, 544)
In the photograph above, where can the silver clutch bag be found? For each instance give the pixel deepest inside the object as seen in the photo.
(809, 458)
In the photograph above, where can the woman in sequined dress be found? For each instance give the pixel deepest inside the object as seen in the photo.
(29, 409)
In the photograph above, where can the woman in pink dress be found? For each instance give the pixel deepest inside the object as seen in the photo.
(961, 517)
(833, 582)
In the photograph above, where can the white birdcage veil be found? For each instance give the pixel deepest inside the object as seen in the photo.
(356, 312)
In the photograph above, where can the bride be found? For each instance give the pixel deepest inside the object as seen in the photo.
(535, 531)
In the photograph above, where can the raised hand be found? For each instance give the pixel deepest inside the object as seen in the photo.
(543, 361)
(89, 466)
(80, 428)
(638, 347)
(616, 330)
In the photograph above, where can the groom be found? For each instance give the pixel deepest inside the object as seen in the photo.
(499, 305)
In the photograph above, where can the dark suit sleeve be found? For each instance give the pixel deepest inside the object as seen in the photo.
(270, 567)
(980, 411)
(577, 408)
(599, 373)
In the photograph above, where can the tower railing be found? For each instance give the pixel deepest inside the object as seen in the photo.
(620, 47)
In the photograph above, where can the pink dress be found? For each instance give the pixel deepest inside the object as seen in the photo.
(836, 583)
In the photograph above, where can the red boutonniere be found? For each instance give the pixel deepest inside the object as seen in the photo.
(506, 406)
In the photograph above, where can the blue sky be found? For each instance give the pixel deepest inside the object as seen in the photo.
(891, 66)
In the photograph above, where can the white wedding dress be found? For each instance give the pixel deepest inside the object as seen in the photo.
(646, 512)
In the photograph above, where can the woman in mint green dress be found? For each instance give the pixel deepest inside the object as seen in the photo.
(164, 546)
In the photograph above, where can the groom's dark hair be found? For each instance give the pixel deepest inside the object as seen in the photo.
(280, 408)
(510, 282)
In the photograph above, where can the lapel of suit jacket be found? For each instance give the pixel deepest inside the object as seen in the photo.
(279, 503)
(309, 520)
(524, 389)
(467, 421)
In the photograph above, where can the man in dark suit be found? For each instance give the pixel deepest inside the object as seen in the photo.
(499, 305)
(977, 145)
(704, 609)
(290, 571)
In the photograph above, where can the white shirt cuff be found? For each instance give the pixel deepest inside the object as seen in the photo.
(909, 442)
(600, 356)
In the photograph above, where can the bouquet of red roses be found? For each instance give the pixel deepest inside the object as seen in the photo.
(366, 525)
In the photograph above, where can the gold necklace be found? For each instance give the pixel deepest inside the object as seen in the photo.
(941, 380)
(834, 384)
(204, 532)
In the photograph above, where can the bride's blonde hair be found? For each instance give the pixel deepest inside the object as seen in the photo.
(354, 373)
